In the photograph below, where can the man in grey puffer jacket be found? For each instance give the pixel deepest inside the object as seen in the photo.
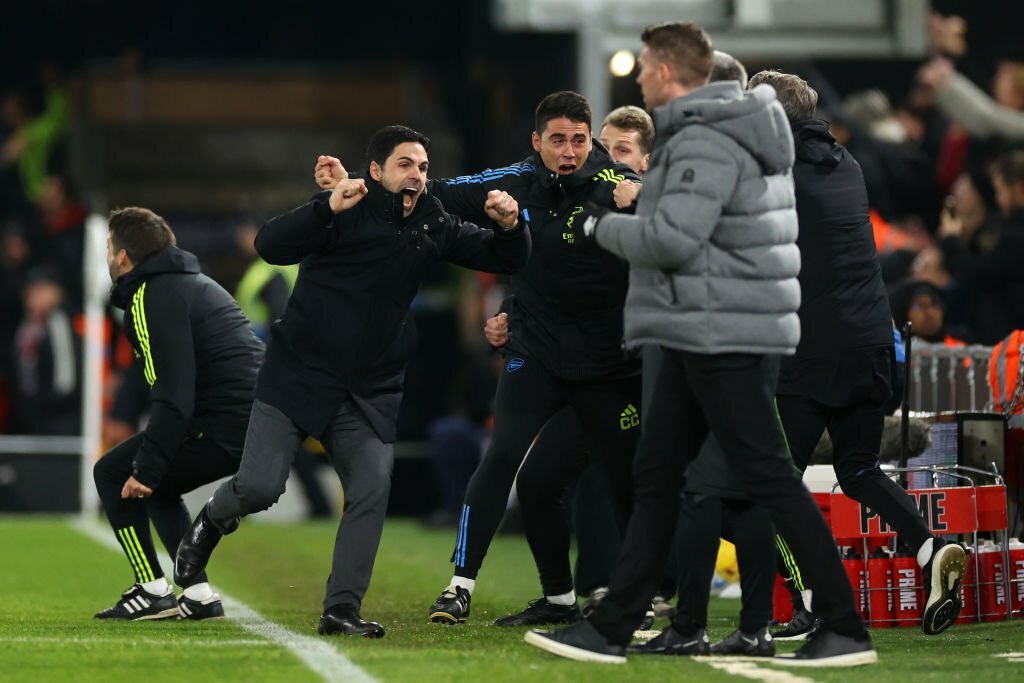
(713, 285)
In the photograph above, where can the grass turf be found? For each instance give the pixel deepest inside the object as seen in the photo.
(53, 578)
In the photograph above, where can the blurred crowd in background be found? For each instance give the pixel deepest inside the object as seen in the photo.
(943, 160)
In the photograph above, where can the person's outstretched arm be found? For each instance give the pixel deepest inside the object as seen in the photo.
(290, 237)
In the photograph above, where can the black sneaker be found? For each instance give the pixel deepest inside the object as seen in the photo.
(451, 607)
(136, 604)
(344, 620)
(802, 625)
(541, 612)
(828, 648)
(758, 644)
(581, 642)
(943, 584)
(672, 642)
(196, 547)
(199, 610)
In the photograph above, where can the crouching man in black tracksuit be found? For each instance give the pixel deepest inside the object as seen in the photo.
(336, 359)
(200, 357)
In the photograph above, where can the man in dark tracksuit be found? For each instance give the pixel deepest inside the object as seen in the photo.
(839, 378)
(336, 359)
(564, 349)
(200, 357)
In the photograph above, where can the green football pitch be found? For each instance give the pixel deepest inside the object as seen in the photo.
(54, 575)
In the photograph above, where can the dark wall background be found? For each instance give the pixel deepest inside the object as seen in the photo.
(490, 81)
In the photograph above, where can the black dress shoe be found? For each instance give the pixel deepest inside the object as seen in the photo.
(345, 620)
(672, 642)
(197, 545)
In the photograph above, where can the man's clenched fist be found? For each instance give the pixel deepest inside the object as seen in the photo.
(328, 172)
(502, 209)
(496, 330)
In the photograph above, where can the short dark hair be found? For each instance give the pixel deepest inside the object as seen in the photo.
(384, 141)
(796, 97)
(565, 103)
(633, 118)
(140, 232)
(684, 45)
(1010, 166)
(728, 68)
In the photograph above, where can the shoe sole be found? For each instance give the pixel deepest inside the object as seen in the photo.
(670, 653)
(445, 618)
(732, 658)
(553, 622)
(570, 652)
(195, 618)
(372, 635)
(851, 659)
(166, 614)
(944, 595)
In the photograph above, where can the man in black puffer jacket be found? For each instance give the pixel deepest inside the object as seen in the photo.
(839, 378)
(336, 359)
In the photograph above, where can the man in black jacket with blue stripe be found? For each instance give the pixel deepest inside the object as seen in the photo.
(336, 359)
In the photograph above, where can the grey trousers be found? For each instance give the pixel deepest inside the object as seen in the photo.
(363, 463)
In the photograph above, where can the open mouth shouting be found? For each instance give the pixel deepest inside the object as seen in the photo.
(409, 195)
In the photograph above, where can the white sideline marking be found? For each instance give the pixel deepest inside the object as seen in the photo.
(318, 655)
(748, 669)
(1012, 657)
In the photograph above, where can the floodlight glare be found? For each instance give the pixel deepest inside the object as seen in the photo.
(622, 63)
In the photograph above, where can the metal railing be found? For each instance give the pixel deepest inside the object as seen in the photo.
(944, 378)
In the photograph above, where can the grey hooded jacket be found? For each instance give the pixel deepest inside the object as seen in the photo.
(712, 247)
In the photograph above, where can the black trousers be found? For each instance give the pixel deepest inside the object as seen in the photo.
(562, 453)
(197, 462)
(856, 432)
(597, 528)
(363, 463)
(732, 396)
(527, 397)
(703, 520)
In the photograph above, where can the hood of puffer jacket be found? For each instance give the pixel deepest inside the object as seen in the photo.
(170, 259)
(815, 144)
(753, 118)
